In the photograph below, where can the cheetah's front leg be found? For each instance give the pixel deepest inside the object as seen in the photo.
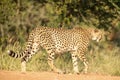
(75, 63)
(82, 58)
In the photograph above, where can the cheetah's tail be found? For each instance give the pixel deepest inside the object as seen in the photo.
(15, 55)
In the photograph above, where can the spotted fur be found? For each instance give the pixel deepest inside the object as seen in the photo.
(57, 41)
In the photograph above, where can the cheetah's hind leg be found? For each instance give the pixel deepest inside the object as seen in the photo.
(51, 63)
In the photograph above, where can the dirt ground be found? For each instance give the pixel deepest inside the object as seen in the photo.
(17, 75)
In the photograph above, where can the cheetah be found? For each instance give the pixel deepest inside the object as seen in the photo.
(57, 41)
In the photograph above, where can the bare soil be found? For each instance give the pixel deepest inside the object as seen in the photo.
(17, 75)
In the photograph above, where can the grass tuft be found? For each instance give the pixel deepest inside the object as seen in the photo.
(102, 60)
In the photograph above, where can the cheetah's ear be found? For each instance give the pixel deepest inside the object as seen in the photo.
(96, 30)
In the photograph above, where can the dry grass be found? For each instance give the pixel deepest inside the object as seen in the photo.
(102, 60)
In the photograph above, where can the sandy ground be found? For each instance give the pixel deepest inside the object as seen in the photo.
(16, 75)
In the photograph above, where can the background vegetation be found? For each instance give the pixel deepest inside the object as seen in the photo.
(19, 17)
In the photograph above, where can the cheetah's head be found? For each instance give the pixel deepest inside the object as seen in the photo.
(96, 35)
